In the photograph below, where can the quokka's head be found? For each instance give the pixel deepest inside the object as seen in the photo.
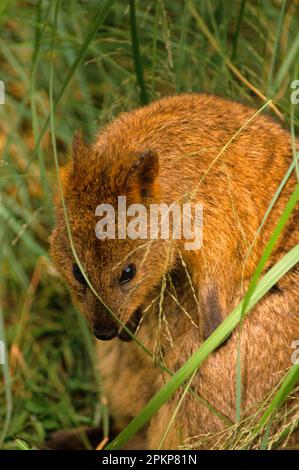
(124, 272)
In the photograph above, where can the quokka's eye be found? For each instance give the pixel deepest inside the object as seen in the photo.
(128, 273)
(78, 275)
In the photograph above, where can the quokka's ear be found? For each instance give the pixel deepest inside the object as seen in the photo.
(142, 177)
(80, 151)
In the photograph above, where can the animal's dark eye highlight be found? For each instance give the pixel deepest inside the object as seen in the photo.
(128, 273)
(78, 275)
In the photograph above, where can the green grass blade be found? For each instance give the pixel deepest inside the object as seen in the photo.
(181, 56)
(39, 32)
(237, 31)
(136, 54)
(266, 436)
(3, 7)
(154, 49)
(288, 61)
(275, 48)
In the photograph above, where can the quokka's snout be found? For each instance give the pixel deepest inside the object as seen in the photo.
(104, 330)
(105, 327)
(103, 324)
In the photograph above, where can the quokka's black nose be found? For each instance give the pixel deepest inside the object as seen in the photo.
(104, 331)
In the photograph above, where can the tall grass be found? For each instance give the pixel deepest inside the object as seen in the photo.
(101, 58)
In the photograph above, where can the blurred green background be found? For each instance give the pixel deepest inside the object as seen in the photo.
(244, 50)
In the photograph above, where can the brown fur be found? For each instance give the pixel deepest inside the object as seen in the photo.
(160, 153)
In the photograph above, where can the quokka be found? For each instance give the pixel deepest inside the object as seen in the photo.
(214, 151)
